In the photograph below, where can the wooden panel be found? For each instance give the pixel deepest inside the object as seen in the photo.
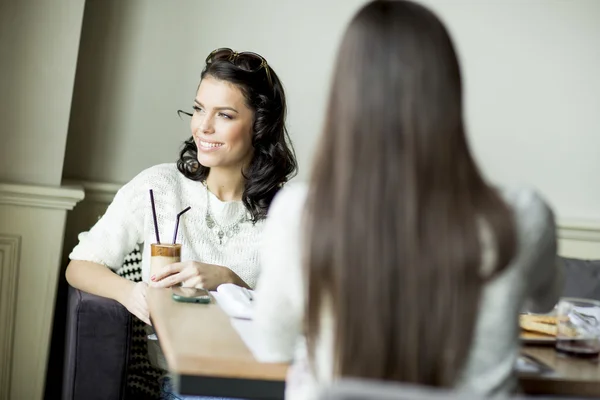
(32, 226)
(10, 248)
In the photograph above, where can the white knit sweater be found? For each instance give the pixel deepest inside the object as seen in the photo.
(128, 220)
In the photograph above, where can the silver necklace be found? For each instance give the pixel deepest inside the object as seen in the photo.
(228, 231)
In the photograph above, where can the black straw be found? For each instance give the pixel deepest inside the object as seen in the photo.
(177, 223)
(154, 217)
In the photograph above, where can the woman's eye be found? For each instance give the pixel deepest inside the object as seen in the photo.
(225, 115)
(196, 108)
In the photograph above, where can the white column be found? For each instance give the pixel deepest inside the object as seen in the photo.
(32, 224)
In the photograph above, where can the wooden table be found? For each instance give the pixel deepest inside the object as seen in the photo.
(205, 354)
(207, 357)
(574, 377)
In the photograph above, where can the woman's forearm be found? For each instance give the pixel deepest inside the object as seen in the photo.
(98, 279)
(236, 280)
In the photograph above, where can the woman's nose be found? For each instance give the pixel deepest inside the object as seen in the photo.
(206, 125)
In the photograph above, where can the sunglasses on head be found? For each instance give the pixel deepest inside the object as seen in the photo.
(246, 60)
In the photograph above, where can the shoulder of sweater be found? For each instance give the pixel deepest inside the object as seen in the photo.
(290, 200)
(159, 176)
(162, 178)
(531, 211)
(166, 170)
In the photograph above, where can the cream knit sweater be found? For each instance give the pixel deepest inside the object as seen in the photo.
(128, 220)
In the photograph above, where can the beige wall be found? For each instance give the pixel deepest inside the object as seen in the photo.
(39, 41)
(531, 82)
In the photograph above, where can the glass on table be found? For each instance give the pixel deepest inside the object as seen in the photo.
(162, 255)
(578, 323)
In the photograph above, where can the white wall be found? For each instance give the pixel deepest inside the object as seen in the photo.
(531, 73)
(39, 41)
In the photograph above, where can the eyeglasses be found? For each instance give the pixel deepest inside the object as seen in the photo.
(246, 60)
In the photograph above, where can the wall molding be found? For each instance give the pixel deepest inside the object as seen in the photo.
(581, 230)
(579, 238)
(10, 251)
(101, 192)
(60, 198)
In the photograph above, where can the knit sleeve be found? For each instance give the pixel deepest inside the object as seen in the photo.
(545, 270)
(279, 304)
(118, 231)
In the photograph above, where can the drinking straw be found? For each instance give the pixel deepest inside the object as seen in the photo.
(177, 223)
(154, 217)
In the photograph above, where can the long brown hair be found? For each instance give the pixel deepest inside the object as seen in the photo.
(397, 203)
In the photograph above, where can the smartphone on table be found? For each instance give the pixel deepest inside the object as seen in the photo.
(190, 295)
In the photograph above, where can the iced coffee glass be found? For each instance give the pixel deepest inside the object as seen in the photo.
(162, 255)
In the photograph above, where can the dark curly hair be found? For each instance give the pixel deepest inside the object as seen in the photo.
(274, 160)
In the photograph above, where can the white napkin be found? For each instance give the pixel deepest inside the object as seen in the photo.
(586, 320)
(529, 365)
(235, 300)
(592, 313)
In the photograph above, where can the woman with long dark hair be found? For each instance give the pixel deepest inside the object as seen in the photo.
(399, 261)
(237, 159)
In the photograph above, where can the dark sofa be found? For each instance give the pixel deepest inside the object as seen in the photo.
(97, 345)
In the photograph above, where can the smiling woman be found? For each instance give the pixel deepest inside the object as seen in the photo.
(238, 124)
(238, 157)
(222, 126)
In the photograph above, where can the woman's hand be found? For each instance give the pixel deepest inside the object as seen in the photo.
(135, 301)
(195, 274)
